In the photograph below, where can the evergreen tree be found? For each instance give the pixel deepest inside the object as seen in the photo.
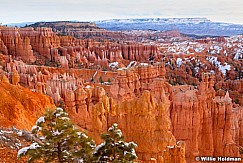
(114, 149)
(57, 140)
(101, 80)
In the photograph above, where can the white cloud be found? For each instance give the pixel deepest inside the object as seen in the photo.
(37, 10)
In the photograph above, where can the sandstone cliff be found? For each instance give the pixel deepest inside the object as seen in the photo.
(203, 120)
(95, 108)
(134, 91)
(43, 46)
(13, 44)
(20, 107)
(141, 120)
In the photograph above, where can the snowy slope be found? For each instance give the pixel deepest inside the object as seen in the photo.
(197, 26)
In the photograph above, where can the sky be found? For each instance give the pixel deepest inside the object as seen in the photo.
(16, 11)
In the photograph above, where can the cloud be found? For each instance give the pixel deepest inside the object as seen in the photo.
(36, 10)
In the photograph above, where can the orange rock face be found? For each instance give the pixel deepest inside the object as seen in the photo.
(42, 40)
(43, 46)
(127, 103)
(237, 126)
(101, 83)
(141, 120)
(207, 129)
(20, 107)
(235, 88)
(91, 108)
(13, 44)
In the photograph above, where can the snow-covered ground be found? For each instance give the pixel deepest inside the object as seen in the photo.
(222, 67)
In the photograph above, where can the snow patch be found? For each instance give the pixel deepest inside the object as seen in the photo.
(222, 68)
(238, 54)
(143, 64)
(212, 71)
(20, 133)
(22, 151)
(99, 146)
(57, 115)
(196, 69)
(34, 128)
(131, 64)
(85, 136)
(179, 62)
(40, 120)
(122, 68)
(64, 118)
(87, 86)
(113, 65)
(55, 133)
(5, 132)
(119, 133)
(59, 109)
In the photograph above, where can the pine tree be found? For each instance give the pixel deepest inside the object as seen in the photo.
(57, 140)
(114, 149)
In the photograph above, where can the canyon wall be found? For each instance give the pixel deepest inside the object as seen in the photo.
(134, 93)
(235, 88)
(20, 107)
(140, 101)
(93, 111)
(41, 46)
(203, 120)
(141, 120)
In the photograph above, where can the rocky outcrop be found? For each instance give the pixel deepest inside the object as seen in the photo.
(93, 111)
(234, 87)
(138, 52)
(15, 77)
(100, 83)
(237, 126)
(82, 30)
(20, 107)
(177, 150)
(3, 47)
(43, 40)
(132, 81)
(43, 46)
(141, 119)
(123, 84)
(95, 108)
(13, 44)
(206, 129)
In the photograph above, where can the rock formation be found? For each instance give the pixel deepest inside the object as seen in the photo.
(20, 107)
(148, 124)
(43, 46)
(206, 129)
(237, 128)
(105, 82)
(142, 120)
(13, 44)
(43, 40)
(234, 87)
